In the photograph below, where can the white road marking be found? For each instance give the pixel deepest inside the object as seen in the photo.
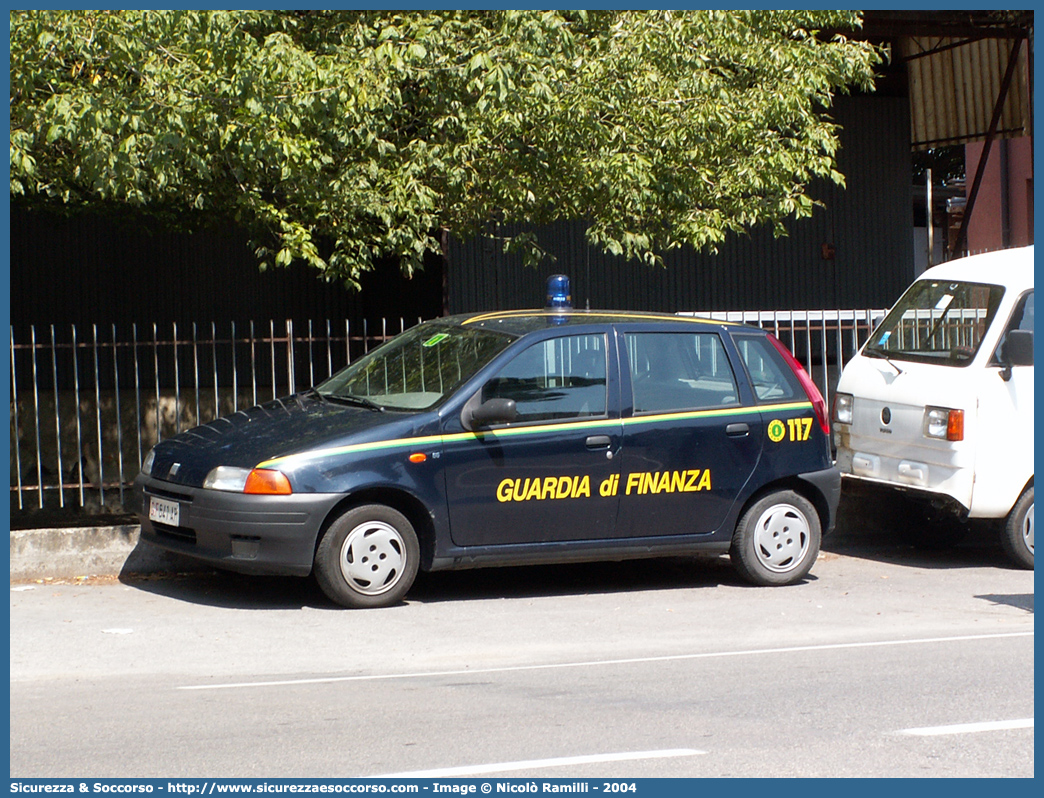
(970, 728)
(535, 764)
(601, 663)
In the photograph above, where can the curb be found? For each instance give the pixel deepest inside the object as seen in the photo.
(89, 551)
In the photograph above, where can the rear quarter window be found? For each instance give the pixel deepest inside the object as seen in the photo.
(771, 378)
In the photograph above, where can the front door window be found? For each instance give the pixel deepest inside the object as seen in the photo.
(564, 378)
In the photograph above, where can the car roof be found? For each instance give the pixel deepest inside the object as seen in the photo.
(522, 322)
(1012, 268)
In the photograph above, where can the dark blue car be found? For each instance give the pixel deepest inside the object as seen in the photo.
(509, 438)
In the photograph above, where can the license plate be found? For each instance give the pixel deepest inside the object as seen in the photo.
(164, 512)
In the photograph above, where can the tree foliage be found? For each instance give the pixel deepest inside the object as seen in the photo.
(341, 137)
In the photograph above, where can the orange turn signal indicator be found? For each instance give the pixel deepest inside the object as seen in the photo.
(265, 481)
(418, 457)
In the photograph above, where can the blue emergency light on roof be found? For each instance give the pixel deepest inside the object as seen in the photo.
(558, 293)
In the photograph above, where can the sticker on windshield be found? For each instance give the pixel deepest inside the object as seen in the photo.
(944, 302)
(438, 338)
(884, 338)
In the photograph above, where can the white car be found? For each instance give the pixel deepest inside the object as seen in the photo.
(939, 401)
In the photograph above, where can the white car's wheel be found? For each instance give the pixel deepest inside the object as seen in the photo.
(1017, 536)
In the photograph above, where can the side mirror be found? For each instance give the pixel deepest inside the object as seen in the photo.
(492, 411)
(1018, 348)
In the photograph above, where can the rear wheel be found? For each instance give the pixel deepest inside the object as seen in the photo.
(368, 557)
(777, 539)
(1017, 537)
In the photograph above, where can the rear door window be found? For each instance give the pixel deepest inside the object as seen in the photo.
(679, 371)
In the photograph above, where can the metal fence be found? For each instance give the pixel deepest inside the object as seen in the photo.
(822, 340)
(88, 403)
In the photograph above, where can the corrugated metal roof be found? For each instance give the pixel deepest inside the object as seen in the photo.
(954, 85)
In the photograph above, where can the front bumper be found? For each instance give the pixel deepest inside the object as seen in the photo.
(918, 469)
(235, 531)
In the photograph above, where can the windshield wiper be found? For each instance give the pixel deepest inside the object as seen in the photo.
(352, 399)
(871, 352)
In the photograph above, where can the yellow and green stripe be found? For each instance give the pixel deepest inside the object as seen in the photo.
(421, 441)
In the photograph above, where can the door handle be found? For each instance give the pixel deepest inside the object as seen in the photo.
(598, 441)
(739, 430)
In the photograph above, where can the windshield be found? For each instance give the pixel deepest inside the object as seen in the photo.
(417, 369)
(937, 321)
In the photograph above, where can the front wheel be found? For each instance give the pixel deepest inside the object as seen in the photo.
(777, 539)
(1017, 537)
(368, 557)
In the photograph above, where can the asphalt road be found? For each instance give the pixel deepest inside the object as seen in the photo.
(885, 663)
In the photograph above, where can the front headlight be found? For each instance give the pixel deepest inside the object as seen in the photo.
(944, 423)
(227, 478)
(258, 481)
(843, 408)
(146, 466)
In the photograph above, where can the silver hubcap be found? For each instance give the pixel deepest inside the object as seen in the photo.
(1027, 529)
(781, 538)
(373, 558)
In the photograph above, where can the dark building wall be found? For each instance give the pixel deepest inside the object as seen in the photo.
(868, 225)
(89, 269)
